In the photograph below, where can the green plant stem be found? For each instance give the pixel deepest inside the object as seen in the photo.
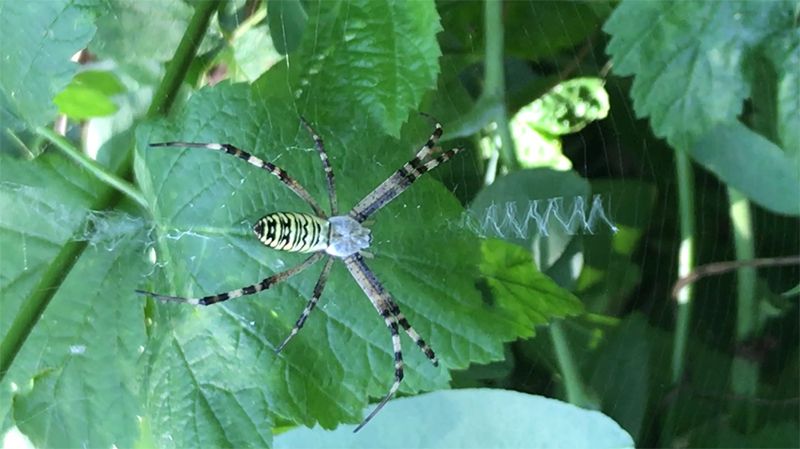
(26, 152)
(494, 88)
(40, 296)
(683, 169)
(491, 168)
(248, 23)
(747, 311)
(685, 180)
(36, 303)
(573, 385)
(744, 372)
(184, 54)
(92, 166)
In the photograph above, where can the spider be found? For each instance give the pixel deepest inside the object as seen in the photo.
(339, 236)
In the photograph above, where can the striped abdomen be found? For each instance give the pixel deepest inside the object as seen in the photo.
(296, 232)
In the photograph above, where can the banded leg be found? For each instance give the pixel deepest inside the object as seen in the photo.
(391, 323)
(249, 290)
(326, 165)
(395, 185)
(430, 165)
(410, 330)
(383, 303)
(402, 179)
(428, 147)
(323, 277)
(268, 166)
(375, 285)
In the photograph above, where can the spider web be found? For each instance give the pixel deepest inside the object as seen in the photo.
(202, 203)
(597, 209)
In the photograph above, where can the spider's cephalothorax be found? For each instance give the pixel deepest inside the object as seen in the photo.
(340, 236)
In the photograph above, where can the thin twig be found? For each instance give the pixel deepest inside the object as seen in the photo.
(725, 267)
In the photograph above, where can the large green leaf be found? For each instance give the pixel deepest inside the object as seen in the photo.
(619, 374)
(131, 32)
(691, 59)
(373, 58)
(476, 418)
(208, 377)
(204, 203)
(545, 27)
(46, 205)
(35, 66)
(88, 95)
(286, 20)
(754, 165)
(522, 291)
(85, 391)
(73, 383)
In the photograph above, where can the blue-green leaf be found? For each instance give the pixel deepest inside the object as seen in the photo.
(477, 418)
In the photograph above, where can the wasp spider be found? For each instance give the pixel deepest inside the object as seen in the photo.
(340, 236)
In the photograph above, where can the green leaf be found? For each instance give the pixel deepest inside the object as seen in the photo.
(287, 20)
(567, 108)
(88, 95)
(520, 290)
(471, 419)
(132, 32)
(104, 82)
(783, 51)
(690, 59)
(559, 25)
(548, 27)
(49, 199)
(73, 382)
(85, 391)
(741, 158)
(222, 356)
(620, 374)
(370, 58)
(711, 376)
(536, 148)
(35, 65)
(254, 52)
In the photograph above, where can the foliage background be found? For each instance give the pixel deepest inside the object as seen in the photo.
(681, 115)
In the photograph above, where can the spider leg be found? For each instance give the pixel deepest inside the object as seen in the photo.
(391, 314)
(323, 277)
(402, 179)
(368, 276)
(268, 166)
(326, 165)
(391, 323)
(430, 165)
(249, 290)
(428, 147)
(410, 330)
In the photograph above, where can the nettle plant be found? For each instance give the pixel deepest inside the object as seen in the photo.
(96, 364)
(153, 288)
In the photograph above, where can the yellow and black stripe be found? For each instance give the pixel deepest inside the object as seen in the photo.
(295, 232)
